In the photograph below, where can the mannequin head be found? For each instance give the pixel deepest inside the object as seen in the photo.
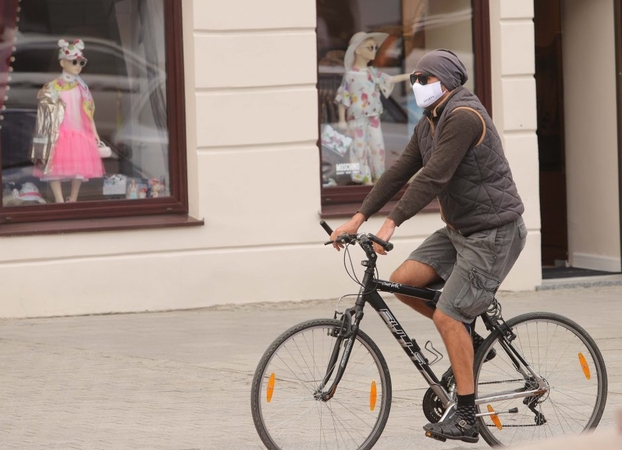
(362, 49)
(70, 56)
(74, 66)
(365, 53)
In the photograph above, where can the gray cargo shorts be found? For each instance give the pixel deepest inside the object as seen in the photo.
(472, 266)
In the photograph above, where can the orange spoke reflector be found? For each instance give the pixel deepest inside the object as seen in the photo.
(584, 366)
(373, 395)
(495, 418)
(270, 389)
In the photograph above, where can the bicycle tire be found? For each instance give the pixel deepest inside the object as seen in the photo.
(285, 411)
(562, 352)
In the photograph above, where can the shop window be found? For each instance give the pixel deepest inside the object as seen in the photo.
(364, 126)
(92, 110)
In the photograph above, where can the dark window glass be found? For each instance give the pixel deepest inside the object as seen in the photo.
(367, 109)
(97, 139)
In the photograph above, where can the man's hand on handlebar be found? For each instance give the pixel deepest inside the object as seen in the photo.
(350, 227)
(385, 233)
(380, 241)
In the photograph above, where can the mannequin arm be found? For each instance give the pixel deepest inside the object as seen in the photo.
(342, 117)
(401, 77)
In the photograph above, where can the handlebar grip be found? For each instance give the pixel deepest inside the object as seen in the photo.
(326, 227)
(386, 245)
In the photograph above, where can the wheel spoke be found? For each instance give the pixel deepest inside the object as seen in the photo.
(296, 415)
(553, 346)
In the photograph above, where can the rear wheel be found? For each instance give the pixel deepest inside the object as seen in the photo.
(284, 398)
(574, 373)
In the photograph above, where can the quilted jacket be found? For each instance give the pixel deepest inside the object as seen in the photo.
(481, 193)
(469, 175)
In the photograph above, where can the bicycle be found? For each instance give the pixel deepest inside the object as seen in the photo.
(324, 383)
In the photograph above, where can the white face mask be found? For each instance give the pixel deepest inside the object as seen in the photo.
(428, 94)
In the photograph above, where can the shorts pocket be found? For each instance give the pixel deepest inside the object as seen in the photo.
(477, 293)
(483, 239)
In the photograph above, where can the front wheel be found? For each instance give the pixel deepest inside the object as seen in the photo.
(573, 376)
(287, 409)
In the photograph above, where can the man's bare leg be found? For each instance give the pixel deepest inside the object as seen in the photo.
(462, 425)
(460, 350)
(417, 274)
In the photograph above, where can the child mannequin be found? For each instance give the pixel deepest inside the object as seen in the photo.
(359, 103)
(65, 127)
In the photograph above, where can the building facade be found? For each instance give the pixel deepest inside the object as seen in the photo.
(216, 114)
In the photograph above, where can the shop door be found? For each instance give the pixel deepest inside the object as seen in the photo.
(550, 104)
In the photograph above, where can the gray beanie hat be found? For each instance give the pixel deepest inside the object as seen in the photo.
(445, 65)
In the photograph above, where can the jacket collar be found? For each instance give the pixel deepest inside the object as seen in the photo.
(435, 113)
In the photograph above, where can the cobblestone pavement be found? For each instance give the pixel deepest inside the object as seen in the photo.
(181, 380)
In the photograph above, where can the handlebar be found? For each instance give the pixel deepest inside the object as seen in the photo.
(347, 238)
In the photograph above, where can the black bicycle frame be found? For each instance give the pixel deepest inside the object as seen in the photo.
(410, 346)
(369, 294)
(370, 286)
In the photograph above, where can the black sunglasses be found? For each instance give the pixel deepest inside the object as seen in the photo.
(82, 62)
(372, 48)
(423, 79)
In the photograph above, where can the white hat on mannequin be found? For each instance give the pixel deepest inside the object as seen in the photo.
(356, 40)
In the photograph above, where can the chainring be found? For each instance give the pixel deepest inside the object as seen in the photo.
(432, 406)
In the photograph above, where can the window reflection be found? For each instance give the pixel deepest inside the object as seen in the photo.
(125, 78)
(351, 153)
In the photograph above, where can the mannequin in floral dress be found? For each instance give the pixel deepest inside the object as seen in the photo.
(360, 106)
(65, 127)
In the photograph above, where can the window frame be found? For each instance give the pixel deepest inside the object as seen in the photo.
(127, 214)
(342, 201)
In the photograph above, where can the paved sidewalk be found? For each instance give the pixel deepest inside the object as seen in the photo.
(181, 380)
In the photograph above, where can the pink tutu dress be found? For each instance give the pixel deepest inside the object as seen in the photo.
(75, 155)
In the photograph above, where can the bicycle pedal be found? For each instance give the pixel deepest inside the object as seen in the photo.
(435, 436)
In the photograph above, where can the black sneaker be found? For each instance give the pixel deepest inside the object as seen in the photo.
(454, 428)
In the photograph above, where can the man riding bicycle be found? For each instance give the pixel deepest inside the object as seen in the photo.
(458, 158)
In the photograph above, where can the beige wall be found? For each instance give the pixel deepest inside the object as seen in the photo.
(591, 134)
(514, 113)
(254, 179)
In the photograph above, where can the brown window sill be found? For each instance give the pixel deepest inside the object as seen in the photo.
(105, 224)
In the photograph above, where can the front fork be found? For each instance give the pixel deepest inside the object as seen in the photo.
(345, 336)
(350, 320)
